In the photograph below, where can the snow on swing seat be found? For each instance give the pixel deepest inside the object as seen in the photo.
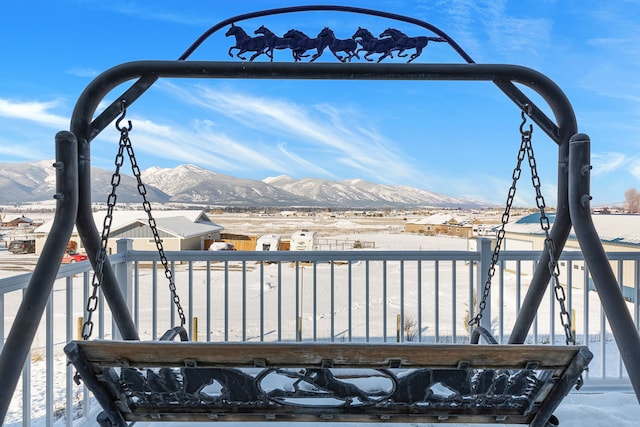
(342, 382)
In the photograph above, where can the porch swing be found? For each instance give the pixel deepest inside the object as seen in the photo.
(167, 380)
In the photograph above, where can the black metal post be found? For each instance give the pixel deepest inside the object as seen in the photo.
(16, 347)
(622, 325)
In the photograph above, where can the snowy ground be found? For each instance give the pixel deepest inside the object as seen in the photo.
(578, 409)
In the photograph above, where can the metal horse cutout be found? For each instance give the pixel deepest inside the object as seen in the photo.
(403, 42)
(299, 43)
(273, 41)
(372, 44)
(348, 46)
(246, 43)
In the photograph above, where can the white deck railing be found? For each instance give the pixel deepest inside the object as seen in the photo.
(356, 295)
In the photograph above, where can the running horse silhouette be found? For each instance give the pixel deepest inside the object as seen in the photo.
(324, 380)
(300, 43)
(348, 46)
(404, 42)
(273, 41)
(246, 43)
(371, 44)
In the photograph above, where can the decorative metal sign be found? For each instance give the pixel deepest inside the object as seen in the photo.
(362, 41)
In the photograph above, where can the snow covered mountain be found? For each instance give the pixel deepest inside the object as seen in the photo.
(358, 192)
(193, 184)
(35, 181)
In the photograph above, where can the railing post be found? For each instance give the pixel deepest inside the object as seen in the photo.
(484, 247)
(124, 275)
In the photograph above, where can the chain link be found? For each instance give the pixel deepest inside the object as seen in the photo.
(554, 269)
(98, 274)
(154, 229)
(527, 148)
(92, 302)
(517, 171)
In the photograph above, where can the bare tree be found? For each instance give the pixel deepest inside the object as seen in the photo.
(632, 200)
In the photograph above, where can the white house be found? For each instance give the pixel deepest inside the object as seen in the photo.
(178, 230)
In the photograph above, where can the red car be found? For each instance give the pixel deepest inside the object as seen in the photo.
(72, 256)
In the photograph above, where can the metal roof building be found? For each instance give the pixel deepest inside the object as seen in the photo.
(178, 230)
(617, 232)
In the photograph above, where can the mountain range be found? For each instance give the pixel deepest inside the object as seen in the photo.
(188, 184)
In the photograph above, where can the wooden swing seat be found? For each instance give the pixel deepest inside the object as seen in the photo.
(343, 382)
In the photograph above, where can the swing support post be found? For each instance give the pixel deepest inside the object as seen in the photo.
(613, 303)
(25, 325)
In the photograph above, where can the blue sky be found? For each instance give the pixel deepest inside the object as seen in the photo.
(456, 138)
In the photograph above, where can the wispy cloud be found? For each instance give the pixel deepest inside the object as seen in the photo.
(12, 150)
(604, 163)
(321, 127)
(199, 144)
(313, 168)
(485, 25)
(152, 12)
(634, 167)
(83, 72)
(33, 111)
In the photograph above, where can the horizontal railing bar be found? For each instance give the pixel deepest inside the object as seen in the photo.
(293, 256)
(20, 281)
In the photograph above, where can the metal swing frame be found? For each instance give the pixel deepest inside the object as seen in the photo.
(74, 208)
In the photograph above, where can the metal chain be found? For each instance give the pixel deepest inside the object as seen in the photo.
(554, 269)
(125, 143)
(154, 229)
(517, 171)
(527, 148)
(98, 274)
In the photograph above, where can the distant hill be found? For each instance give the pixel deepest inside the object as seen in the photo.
(35, 181)
(358, 192)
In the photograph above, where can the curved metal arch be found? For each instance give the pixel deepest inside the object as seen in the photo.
(515, 94)
(331, 8)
